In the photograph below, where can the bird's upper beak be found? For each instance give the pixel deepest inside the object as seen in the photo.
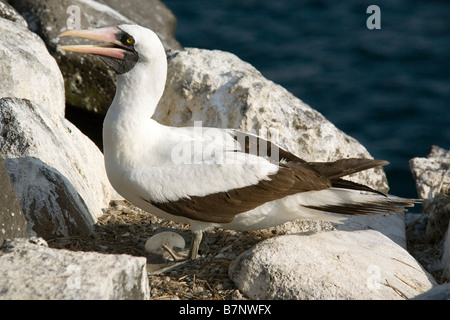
(114, 48)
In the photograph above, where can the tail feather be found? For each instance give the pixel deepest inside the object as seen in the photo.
(347, 184)
(343, 201)
(344, 167)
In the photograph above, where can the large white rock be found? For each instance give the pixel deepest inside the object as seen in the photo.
(221, 90)
(36, 272)
(27, 130)
(392, 226)
(329, 265)
(27, 70)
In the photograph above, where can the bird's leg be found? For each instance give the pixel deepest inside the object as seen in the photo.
(195, 244)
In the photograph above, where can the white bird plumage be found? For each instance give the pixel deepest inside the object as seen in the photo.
(152, 165)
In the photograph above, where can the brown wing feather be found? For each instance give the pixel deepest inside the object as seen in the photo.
(344, 167)
(332, 170)
(221, 207)
(347, 184)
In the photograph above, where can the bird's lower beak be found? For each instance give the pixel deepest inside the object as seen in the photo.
(113, 49)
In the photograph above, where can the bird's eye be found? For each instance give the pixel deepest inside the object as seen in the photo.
(127, 40)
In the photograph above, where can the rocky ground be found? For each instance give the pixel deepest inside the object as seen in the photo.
(124, 229)
(426, 253)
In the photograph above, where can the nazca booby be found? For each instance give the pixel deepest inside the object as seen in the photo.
(224, 181)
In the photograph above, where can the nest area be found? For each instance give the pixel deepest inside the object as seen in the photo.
(124, 229)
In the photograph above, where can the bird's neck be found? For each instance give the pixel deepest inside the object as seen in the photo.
(139, 90)
(129, 116)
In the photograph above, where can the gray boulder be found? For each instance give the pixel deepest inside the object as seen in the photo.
(12, 220)
(51, 204)
(69, 162)
(36, 272)
(7, 12)
(27, 70)
(362, 265)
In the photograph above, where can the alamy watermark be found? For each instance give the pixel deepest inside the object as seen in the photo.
(374, 20)
(74, 19)
(73, 282)
(374, 278)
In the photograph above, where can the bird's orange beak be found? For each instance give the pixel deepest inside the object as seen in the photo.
(114, 48)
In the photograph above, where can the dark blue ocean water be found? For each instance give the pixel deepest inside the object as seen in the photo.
(388, 88)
